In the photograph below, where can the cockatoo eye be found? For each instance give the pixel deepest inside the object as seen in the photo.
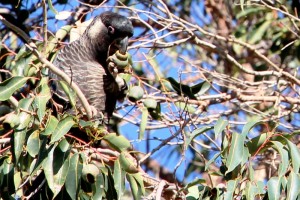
(111, 30)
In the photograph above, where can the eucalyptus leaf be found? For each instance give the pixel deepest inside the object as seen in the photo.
(293, 186)
(119, 179)
(135, 188)
(62, 128)
(74, 176)
(48, 170)
(189, 91)
(284, 155)
(196, 133)
(127, 163)
(118, 142)
(34, 143)
(186, 107)
(274, 186)
(230, 189)
(295, 155)
(9, 86)
(143, 124)
(220, 126)
(42, 98)
(21, 130)
(236, 150)
(50, 126)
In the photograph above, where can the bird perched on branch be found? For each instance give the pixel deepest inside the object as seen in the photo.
(85, 62)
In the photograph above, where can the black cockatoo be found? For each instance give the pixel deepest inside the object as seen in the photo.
(85, 62)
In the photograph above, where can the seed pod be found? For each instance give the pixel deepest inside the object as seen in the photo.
(135, 93)
(12, 120)
(150, 104)
(90, 172)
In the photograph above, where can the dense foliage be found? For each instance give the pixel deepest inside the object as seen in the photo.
(211, 112)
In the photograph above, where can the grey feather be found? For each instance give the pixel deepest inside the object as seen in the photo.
(84, 61)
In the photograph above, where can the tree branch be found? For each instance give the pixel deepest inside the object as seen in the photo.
(32, 47)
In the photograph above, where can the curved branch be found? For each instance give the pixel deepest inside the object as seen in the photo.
(33, 48)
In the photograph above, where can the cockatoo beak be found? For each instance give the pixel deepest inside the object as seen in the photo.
(122, 45)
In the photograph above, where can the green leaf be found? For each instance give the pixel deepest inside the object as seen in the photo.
(140, 181)
(260, 187)
(24, 116)
(18, 182)
(231, 186)
(119, 179)
(196, 133)
(196, 181)
(62, 128)
(188, 91)
(127, 163)
(22, 66)
(60, 176)
(56, 166)
(186, 107)
(19, 141)
(23, 52)
(182, 89)
(220, 126)
(295, 155)
(119, 143)
(255, 143)
(21, 130)
(126, 77)
(41, 157)
(61, 165)
(42, 98)
(7, 173)
(135, 188)
(74, 175)
(195, 192)
(250, 191)
(245, 155)
(235, 152)
(50, 126)
(284, 155)
(83, 123)
(293, 185)
(250, 124)
(204, 87)
(52, 7)
(212, 160)
(9, 86)
(143, 123)
(284, 181)
(98, 187)
(69, 92)
(274, 185)
(258, 33)
(249, 11)
(34, 143)
(48, 170)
